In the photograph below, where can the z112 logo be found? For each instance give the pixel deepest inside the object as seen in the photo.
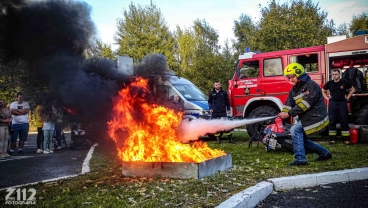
(20, 196)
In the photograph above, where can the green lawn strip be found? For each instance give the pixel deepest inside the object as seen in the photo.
(105, 186)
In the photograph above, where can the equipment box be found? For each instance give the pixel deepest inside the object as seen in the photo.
(363, 134)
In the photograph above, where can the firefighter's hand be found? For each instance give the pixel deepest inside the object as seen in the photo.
(283, 115)
(211, 110)
(228, 111)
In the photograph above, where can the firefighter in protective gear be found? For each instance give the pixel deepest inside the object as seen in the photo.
(337, 108)
(305, 100)
(219, 105)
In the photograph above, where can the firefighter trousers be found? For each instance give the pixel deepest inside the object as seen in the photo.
(338, 110)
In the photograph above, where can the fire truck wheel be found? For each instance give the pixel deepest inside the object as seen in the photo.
(255, 130)
(362, 117)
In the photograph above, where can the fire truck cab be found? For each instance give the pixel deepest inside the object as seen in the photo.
(259, 89)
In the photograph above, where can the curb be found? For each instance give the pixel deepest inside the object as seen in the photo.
(252, 196)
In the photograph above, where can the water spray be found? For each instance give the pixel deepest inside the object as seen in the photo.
(200, 127)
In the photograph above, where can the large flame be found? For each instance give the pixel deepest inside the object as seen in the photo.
(149, 133)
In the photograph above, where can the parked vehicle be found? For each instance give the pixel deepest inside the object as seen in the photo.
(195, 101)
(259, 89)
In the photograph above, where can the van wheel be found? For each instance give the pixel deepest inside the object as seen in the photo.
(255, 130)
(362, 117)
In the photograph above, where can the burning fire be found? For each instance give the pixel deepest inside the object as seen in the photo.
(150, 133)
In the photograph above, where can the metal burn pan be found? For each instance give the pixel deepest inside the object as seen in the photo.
(182, 170)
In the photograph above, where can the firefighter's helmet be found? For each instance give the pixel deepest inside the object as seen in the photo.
(294, 69)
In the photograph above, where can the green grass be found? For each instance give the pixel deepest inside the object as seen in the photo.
(105, 186)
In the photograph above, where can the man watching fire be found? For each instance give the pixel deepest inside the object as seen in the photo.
(19, 110)
(219, 105)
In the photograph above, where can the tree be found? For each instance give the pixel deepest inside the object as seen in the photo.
(286, 27)
(100, 50)
(105, 50)
(206, 35)
(204, 62)
(15, 77)
(244, 31)
(359, 22)
(185, 48)
(342, 29)
(142, 31)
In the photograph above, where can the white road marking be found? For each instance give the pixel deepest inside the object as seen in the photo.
(85, 166)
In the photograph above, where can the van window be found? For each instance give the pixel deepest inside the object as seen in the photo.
(163, 93)
(249, 70)
(272, 67)
(309, 61)
(191, 92)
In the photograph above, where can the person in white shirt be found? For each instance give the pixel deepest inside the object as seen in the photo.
(19, 110)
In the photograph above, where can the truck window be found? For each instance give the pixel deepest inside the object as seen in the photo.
(272, 67)
(309, 61)
(249, 70)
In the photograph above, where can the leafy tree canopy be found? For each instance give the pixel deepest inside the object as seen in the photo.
(359, 22)
(142, 31)
(286, 26)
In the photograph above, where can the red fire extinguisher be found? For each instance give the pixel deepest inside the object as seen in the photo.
(354, 135)
(280, 125)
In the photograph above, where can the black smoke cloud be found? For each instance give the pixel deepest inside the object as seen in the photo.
(51, 36)
(33, 29)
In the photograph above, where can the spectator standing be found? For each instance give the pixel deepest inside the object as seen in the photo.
(39, 112)
(59, 114)
(176, 104)
(305, 100)
(5, 121)
(20, 124)
(338, 108)
(218, 102)
(48, 131)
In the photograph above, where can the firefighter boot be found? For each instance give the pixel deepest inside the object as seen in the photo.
(231, 139)
(332, 140)
(230, 136)
(346, 140)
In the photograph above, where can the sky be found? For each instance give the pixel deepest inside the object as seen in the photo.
(219, 14)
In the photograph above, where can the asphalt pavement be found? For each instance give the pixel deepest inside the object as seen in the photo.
(343, 188)
(346, 188)
(335, 195)
(31, 167)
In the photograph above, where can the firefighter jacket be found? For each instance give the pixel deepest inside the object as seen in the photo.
(219, 102)
(305, 100)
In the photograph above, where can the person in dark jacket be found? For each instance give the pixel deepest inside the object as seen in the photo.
(305, 100)
(219, 105)
(338, 107)
(176, 104)
(355, 77)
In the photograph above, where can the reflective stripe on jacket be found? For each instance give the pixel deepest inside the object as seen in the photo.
(305, 100)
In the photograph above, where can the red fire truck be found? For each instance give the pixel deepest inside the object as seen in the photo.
(259, 89)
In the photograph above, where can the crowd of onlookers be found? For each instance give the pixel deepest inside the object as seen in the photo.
(14, 125)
